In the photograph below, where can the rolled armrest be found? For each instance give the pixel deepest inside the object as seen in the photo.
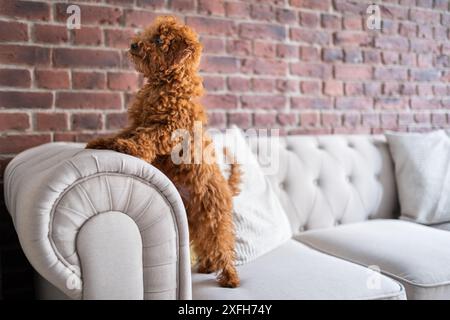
(91, 221)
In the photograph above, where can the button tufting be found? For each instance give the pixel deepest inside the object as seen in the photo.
(349, 179)
(301, 229)
(317, 181)
(320, 146)
(351, 145)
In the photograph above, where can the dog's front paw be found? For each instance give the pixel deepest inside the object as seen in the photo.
(204, 268)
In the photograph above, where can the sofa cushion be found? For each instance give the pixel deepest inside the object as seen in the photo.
(422, 168)
(323, 181)
(294, 271)
(416, 255)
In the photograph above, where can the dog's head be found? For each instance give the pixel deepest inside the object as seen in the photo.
(164, 47)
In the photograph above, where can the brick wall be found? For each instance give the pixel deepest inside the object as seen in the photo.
(307, 66)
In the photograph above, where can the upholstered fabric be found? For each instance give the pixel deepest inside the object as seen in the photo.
(422, 168)
(416, 255)
(111, 241)
(260, 222)
(51, 191)
(442, 226)
(324, 181)
(294, 271)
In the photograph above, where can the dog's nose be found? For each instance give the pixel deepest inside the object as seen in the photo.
(134, 46)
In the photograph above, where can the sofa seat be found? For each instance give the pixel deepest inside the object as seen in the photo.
(294, 271)
(415, 255)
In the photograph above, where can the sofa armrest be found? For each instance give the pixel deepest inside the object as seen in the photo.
(99, 224)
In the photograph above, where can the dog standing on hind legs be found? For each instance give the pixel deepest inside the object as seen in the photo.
(168, 54)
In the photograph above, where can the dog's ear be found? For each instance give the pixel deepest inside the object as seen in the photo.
(179, 51)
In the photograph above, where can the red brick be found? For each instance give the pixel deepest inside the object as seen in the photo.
(352, 38)
(182, 5)
(394, 43)
(219, 64)
(312, 70)
(389, 120)
(391, 103)
(309, 53)
(262, 31)
(330, 119)
(317, 37)
(24, 99)
(26, 10)
(237, 9)
(264, 120)
(15, 78)
(310, 131)
(139, 19)
(217, 119)
(352, 22)
(220, 101)
(286, 119)
(13, 31)
(354, 89)
(264, 66)
(264, 49)
(239, 47)
(118, 38)
(309, 119)
(352, 119)
(425, 89)
(123, 81)
(263, 85)
(240, 119)
(213, 83)
(50, 33)
(390, 73)
(286, 16)
(116, 120)
(311, 4)
(88, 100)
(354, 103)
(91, 36)
(63, 57)
(309, 19)
(424, 46)
(353, 55)
(213, 45)
(51, 121)
(216, 7)
(263, 102)
(311, 103)
(330, 21)
(153, 4)
(332, 54)
(286, 85)
(333, 88)
(52, 79)
(87, 121)
(311, 87)
(262, 12)
(371, 119)
(238, 84)
(426, 75)
(353, 72)
(88, 80)
(29, 55)
(91, 14)
(423, 117)
(287, 51)
(11, 144)
(439, 119)
(354, 7)
(213, 26)
(424, 16)
(425, 103)
(14, 121)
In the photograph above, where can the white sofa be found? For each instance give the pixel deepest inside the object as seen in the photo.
(104, 225)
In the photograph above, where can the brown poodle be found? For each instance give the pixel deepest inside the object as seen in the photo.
(168, 54)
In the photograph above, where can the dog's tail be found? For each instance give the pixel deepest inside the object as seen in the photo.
(234, 180)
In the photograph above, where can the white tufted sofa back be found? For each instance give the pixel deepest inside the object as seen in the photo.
(323, 181)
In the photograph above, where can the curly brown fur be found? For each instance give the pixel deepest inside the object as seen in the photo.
(168, 54)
